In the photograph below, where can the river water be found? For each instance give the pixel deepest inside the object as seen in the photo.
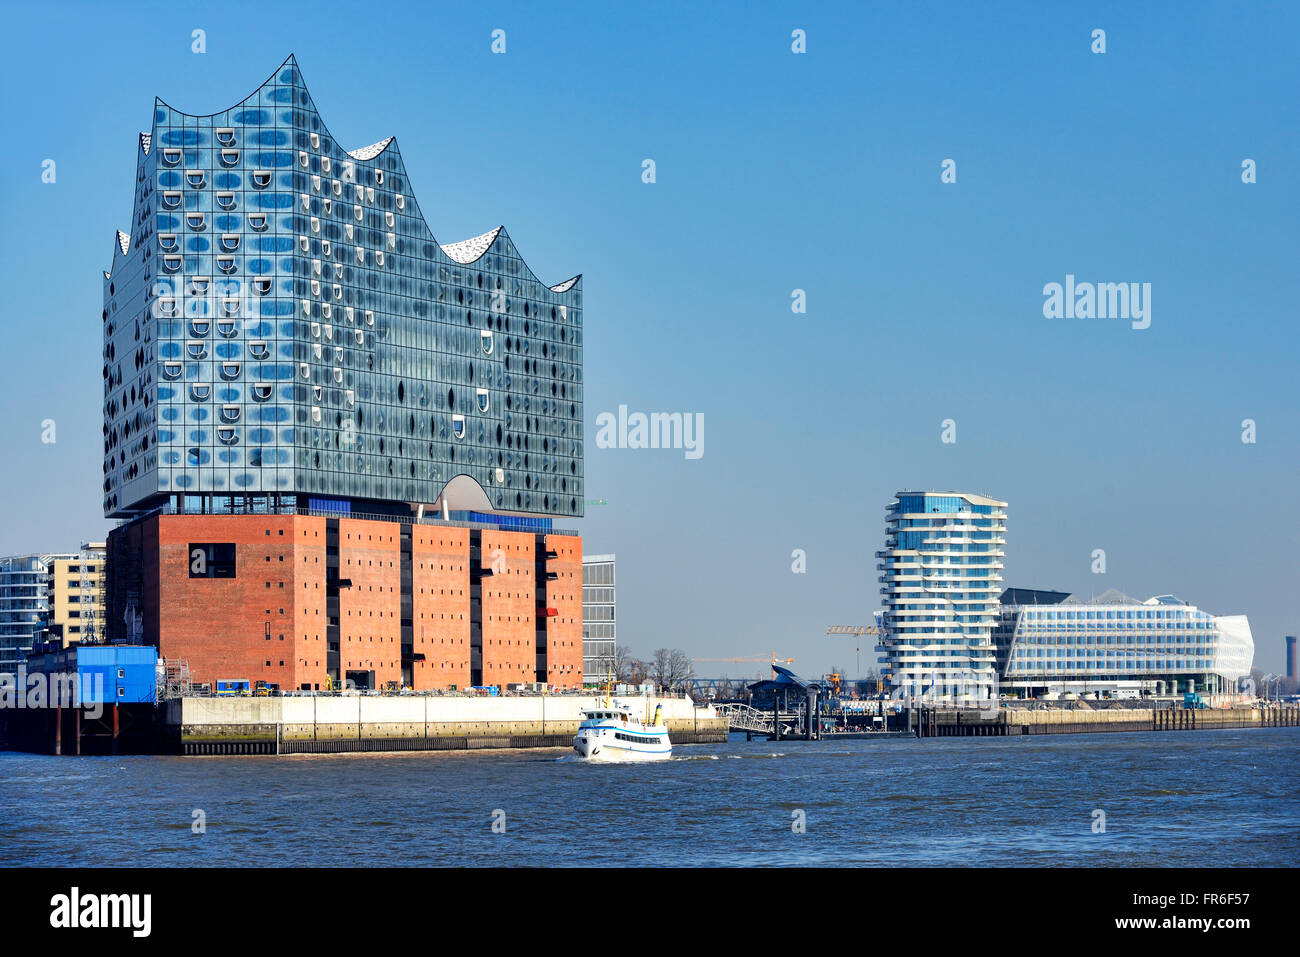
(1212, 798)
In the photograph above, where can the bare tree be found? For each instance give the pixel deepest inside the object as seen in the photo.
(670, 669)
(623, 662)
(680, 669)
(661, 667)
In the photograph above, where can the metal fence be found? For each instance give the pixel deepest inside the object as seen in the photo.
(364, 516)
(195, 692)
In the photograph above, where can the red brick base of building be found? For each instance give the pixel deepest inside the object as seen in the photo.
(307, 602)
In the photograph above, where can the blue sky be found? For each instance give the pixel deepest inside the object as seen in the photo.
(775, 172)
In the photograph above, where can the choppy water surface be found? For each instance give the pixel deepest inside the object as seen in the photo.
(1207, 798)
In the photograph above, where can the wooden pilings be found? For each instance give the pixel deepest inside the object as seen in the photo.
(1204, 719)
(935, 723)
(1280, 716)
(106, 729)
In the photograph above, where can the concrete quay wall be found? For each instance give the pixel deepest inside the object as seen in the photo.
(332, 724)
(965, 722)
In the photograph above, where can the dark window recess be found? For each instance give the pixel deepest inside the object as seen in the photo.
(212, 559)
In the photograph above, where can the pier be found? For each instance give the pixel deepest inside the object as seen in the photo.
(950, 722)
(743, 717)
(800, 710)
(778, 725)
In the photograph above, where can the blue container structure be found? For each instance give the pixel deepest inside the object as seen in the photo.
(125, 674)
(114, 712)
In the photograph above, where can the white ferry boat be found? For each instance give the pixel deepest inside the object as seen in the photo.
(612, 733)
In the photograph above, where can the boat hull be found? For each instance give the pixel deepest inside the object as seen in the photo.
(594, 747)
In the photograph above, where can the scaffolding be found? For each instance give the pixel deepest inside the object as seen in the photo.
(173, 678)
(90, 592)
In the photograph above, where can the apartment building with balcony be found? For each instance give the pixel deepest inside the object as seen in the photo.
(941, 571)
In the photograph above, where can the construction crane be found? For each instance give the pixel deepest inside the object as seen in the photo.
(853, 631)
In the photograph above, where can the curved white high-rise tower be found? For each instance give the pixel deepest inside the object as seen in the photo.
(941, 576)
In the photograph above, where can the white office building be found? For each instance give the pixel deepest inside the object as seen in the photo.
(598, 624)
(1114, 645)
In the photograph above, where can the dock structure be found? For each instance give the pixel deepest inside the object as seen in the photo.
(85, 699)
(787, 707)
(746, 718)
(102, 729)
(927, 721)
(786, 694)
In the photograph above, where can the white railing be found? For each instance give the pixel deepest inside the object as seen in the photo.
(743, 717)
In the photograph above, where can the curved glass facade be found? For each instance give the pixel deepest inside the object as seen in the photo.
(281, 321)
(1119, 639)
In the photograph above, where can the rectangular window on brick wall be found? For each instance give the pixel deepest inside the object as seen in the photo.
(212, 559)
